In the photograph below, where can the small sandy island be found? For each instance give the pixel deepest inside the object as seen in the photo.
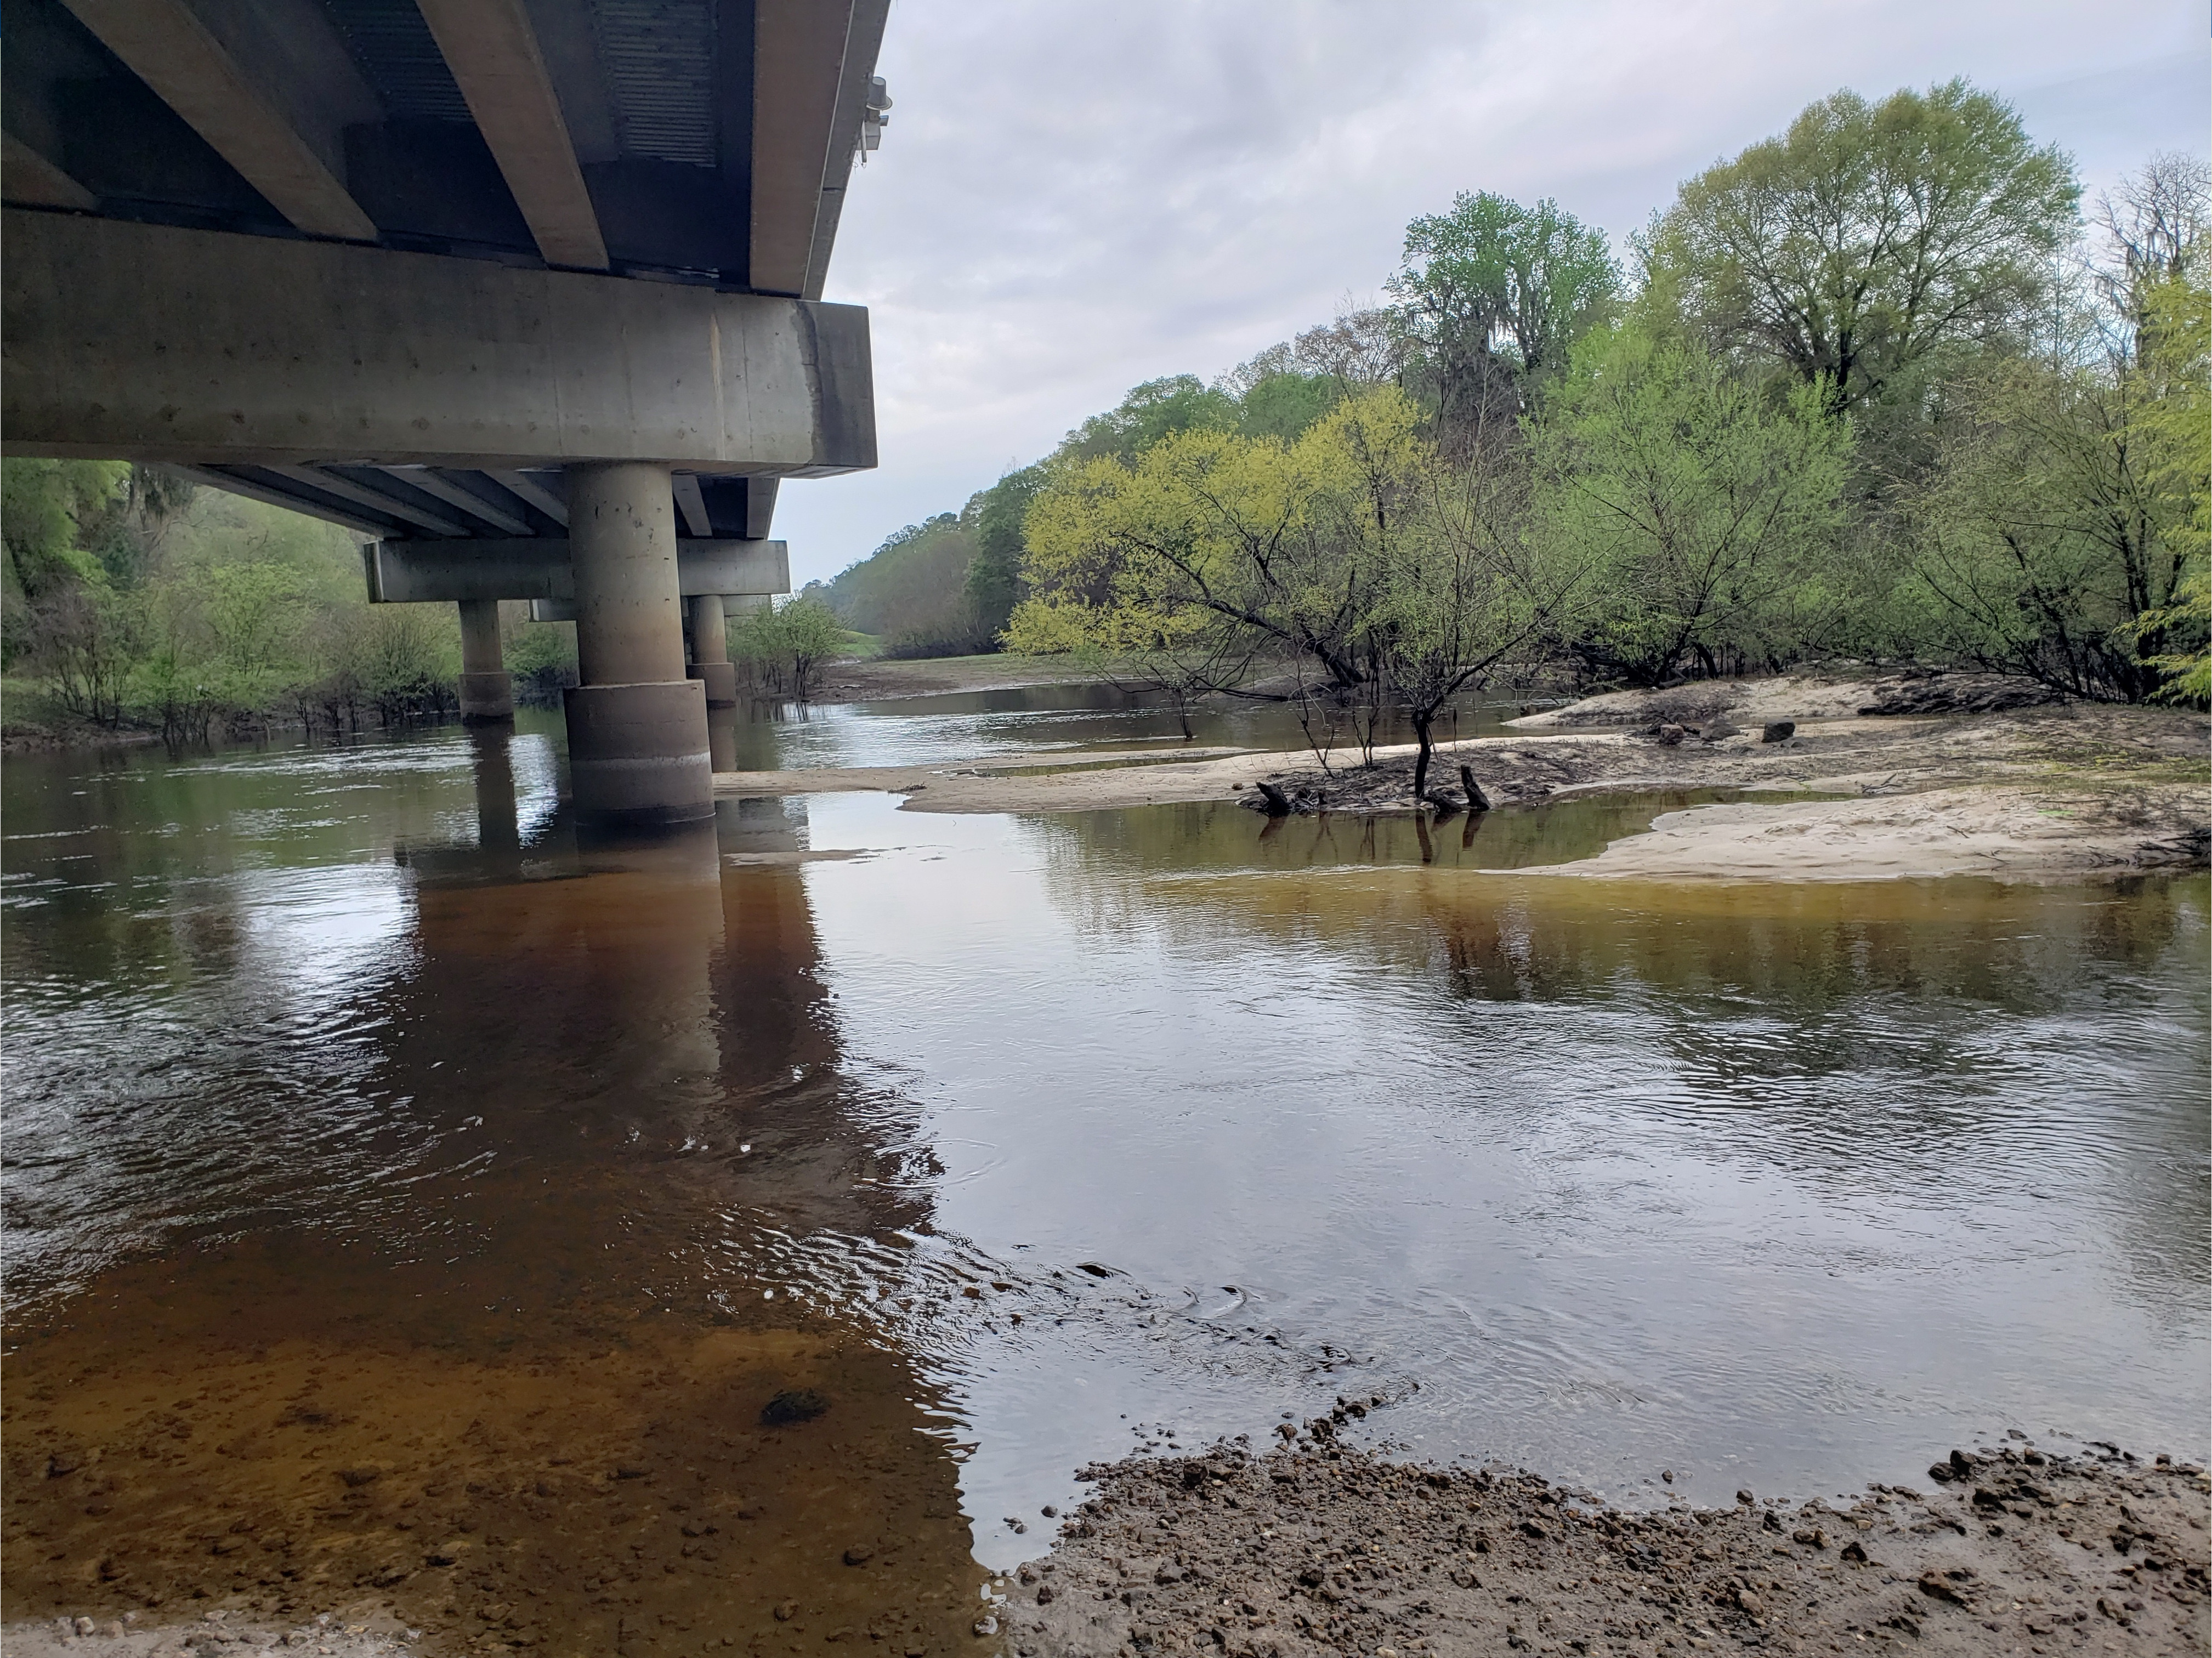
(1315, 1550)
(1928, 775)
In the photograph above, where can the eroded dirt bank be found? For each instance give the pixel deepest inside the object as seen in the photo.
(1318, 1550)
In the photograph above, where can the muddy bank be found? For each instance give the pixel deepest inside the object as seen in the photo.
(1318, 1550)
(133, 1635)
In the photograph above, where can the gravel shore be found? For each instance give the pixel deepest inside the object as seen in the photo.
(1318, 1549)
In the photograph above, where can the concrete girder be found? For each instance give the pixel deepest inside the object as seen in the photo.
(691, 504)
(27, 176)
(166, 45)
(863, 40)
(151, 342)
(492, 53)
(540, 567)
(811, 62)
(254, 491)
(430, 482)
(363, 495)
(530, 489)
(799, 58)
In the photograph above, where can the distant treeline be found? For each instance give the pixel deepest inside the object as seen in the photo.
(1882, 387)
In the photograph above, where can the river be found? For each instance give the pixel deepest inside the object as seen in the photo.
(596, 1246)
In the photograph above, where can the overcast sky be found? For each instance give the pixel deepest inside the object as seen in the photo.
(1074, 196)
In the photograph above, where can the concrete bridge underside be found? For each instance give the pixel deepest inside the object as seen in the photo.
(525, 293)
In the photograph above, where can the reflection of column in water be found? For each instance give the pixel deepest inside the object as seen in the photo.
(782, 1072)
(496, 826)
(653, 945)
(767, 983)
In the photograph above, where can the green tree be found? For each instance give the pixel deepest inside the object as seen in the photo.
(1153, 411)
(1705, 504)
(1868, 236)
(1492, 296)
(2174, 431)
(1285, 404)
(1285, 544)
(2060, 532)
(1471, 591)
(993, 581)
(788, 645)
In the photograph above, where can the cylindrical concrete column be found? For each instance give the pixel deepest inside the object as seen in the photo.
(487, 692)
(710, 650)
(637, 726)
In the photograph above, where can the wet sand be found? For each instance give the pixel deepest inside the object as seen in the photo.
(2036, 793)
(1317, 1550)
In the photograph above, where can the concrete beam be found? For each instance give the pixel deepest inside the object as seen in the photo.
(28, 177)
(377, 500)
(799, 63)
(864, 40)
(536, 492)
(168, 46)
(123, 341)
(691, 504)
(253, 491)
(493, 52)
(430, 482)
(423, 572)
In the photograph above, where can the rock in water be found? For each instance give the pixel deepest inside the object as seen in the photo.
(793, 1404)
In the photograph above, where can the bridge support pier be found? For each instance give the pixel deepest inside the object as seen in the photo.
(638, 751)
(487, 692)
(710, 650)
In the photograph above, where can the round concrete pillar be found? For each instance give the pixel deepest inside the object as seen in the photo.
(487, 692)
(637, 726)
(710, 650)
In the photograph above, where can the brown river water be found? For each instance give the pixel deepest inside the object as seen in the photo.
(727, 1241)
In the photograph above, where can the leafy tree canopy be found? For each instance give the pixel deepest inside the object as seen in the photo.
(1176, 403)
(1493, 278)
(1869, 235)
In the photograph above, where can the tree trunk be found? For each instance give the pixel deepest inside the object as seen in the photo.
(1476, 799)
(1424, 734)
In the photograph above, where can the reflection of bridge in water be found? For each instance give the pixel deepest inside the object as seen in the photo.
(493, 1345)
(526, 293)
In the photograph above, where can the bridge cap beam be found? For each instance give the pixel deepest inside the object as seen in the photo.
(435, 572)
(150, 343)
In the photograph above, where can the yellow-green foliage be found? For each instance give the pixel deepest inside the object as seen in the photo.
(2175, 426)
(1207, 526)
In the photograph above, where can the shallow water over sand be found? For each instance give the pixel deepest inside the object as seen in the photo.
(404, 1201)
